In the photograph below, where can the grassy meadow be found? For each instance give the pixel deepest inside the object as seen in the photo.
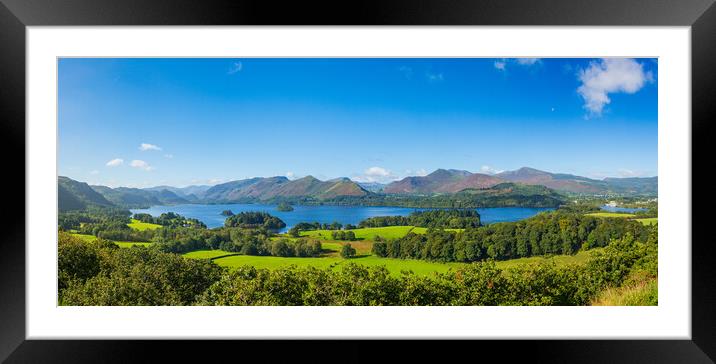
(121, 244)
(395, 266)
(141, 226)
(387, 232)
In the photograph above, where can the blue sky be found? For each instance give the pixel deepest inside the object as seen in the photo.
(147, 122)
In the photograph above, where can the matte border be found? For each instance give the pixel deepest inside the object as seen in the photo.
(15, 15)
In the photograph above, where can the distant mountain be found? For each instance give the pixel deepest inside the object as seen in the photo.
(139, 198)
(577, 184)
(277, 187)
(193, 192)
(634, 185)
(514, 194)
(442, 181)
(453, 181)
(74, 195)
(557, 181)
(372, 186)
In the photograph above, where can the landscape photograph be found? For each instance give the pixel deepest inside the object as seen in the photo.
(357, 182)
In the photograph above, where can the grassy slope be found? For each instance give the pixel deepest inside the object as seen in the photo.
(640, 294)
(645, 221)
(141, 226)
(395, 266)
(121, 244)
(388, 232)
(610, 214)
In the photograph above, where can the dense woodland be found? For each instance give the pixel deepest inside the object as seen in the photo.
(252, 220)
(446, 219)
(544, 234)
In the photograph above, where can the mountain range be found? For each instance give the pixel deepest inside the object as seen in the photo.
(74, 195)
(452, 181)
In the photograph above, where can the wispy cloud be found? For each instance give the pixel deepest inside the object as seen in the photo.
(608, 76)
(115, 162)
(434, 76)
(406, 71)
(490, 170)
(419, 172)
(527, 61)
(236, 67)
(146, 146)
(169, 156)
(93, 172)
(140, 164)
(376, 174)
(501, 65)
(623, 172)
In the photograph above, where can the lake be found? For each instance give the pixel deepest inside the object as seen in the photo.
(211, 214)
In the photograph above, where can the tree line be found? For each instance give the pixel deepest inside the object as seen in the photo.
(252, 220)
(447, 219)
(543, 234)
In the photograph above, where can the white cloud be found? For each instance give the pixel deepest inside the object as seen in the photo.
(146, 146)
(406, 71)
(490, 170)
(115, 162)
(527, 61)
(170, 156)
(141, 165)
(623, 172)
(420, 172)
(610, 75)
(376, 174)
(502, 64)
(434, 77)
(290, 175)
(94, 172)
(236, 67)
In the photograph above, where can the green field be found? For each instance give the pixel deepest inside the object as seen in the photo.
(141, 226)
(207, 254)
(395, 266)
(121, 244)
(610, 214)
(388, 232)
(648, 221)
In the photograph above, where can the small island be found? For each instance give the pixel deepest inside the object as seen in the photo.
(284, 207)
(227, 213)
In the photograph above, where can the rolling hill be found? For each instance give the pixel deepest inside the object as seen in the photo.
(264, 189)
(74, 195)
(138, 198)
(453, 181)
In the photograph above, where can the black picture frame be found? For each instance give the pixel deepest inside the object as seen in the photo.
(700, 15)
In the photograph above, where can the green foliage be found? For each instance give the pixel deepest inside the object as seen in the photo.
(347, 251)
(136, 276)
(343, 235)
(96, 274)
(255, 220)
(448, 219)
(544, 234)
(170, 219)
(284, 207)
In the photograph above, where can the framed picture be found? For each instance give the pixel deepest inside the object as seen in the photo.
(473, 171)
